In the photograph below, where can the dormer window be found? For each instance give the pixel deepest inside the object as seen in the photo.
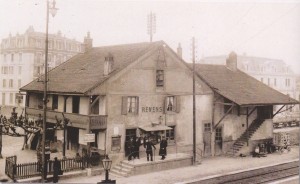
(108, 64)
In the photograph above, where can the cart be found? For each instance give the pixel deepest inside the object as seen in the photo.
(281, 141)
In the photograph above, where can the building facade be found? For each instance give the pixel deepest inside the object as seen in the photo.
(272, 72)
(145, 90)
(22, 59)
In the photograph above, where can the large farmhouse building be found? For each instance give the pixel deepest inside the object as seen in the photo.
(145, 89)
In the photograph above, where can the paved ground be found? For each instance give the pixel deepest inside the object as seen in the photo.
(208, 167)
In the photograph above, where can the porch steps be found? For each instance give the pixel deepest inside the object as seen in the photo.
(142, 166)
(242, 140)
(122, 169)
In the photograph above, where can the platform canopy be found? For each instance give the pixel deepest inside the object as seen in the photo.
(153, 128)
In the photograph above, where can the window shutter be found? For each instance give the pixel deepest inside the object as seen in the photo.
(177, 101)
(124, 105)
(137, 105)
(165, 105)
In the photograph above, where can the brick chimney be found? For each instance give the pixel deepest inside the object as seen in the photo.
(179, 50)
(231, 61)
(88, 42)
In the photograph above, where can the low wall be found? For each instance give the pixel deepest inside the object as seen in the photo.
(162, 165)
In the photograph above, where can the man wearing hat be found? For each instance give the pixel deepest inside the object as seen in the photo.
(163, 148)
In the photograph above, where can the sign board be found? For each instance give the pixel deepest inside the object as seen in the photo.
(89, 138)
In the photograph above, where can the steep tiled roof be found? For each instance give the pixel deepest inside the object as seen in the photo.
(239, 87)
(85, 71)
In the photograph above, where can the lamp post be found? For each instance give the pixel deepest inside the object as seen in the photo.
(50, 9)
(107, 165)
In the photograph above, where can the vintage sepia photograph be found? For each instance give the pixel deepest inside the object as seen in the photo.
(150, 91)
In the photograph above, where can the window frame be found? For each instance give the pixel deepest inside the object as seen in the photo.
(171, 135)
(160, 78)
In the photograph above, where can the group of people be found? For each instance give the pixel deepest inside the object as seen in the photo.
(133, 146)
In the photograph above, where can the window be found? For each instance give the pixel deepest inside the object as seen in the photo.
(11, 98)
(20, 70)
(207, 127)
(54, 102)
(218, 134)
(11, 70)
(3, 98)
(19, 83)
(12, 57)
(268, 81)
(287, 82)
(159, 78)
(130, 105)
(170, 135)
(11, 83)
(274, 81)
(4, 57)
(20, 56)
(75, 104)
(172, 104)
(108, 64)
(4, 83)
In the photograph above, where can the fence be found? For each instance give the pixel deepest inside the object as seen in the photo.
(28, 170)
(10, 168)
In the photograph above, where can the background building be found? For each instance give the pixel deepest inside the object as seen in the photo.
(22, 59)
(272, 72)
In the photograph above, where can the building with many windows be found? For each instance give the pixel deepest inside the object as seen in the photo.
(145, 90)
(22, 59)
(272, 72)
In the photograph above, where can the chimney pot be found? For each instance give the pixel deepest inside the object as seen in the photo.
(231, 61)
(179, 50)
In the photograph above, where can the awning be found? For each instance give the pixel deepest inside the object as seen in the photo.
(155, 128)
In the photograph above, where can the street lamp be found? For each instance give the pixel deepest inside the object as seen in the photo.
(52, 9)
(107, 165)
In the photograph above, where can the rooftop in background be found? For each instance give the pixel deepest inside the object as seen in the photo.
(239, 87)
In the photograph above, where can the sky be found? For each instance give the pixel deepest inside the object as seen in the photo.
(265, 28)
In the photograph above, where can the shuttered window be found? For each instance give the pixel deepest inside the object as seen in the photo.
(130, 105)
(172, 104)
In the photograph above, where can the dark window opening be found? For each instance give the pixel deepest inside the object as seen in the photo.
(54, 102)
(75, 104)
(159, 78)
(170, 134)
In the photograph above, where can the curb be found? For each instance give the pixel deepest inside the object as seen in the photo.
(235, 172)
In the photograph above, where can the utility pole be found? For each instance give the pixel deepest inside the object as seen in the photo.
(151, 25)
(194, 103)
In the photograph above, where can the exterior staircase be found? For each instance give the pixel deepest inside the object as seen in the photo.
(242, 140)
(122, 169)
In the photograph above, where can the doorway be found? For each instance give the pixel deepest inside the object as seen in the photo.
(129, 133)
(207, 139)
(218, 141)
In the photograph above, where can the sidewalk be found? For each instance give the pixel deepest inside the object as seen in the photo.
(209, 167)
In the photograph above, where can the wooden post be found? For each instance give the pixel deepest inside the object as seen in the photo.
(247, 128)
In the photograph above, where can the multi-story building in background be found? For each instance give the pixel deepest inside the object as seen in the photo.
(272, 72)
(22, 59)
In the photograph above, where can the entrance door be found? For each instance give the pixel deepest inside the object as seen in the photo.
(218, 141)
(207, 139)
(129, 133)
(72, 138)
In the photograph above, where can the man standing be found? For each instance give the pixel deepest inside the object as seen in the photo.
(148, 145)
(56, 170)
(137, 144)
(163, 148)
(130, 148)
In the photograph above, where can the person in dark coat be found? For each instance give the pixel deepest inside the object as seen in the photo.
(137, 144)
(56, 170)
(148, 145)
(163, 148)
(130, 148)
